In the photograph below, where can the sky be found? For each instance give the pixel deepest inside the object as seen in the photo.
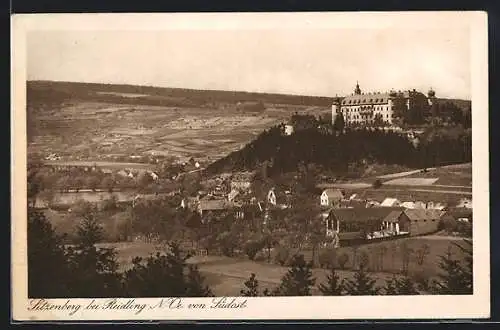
(314, 61)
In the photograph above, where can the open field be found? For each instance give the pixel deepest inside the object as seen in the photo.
(411, 181)
(447, 184)
(100, 164)
(89, 121)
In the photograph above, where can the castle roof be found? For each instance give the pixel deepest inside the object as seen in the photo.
(363, 99)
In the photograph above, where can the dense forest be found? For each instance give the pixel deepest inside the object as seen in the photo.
(279, 154)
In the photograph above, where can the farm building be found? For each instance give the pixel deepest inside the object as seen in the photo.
(390, 202)
(288, 129)
(331, 197)
(278, 198)
(360, 223)
(412, 221)
(458, 214)
(353, 203)
(435, 205)
(242, 181)
(213, 205)
(465, 203)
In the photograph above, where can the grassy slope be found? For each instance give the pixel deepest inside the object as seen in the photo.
(227, 275)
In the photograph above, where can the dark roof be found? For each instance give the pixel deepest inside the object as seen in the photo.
(351, 235)
(353, 203)
(214, 204)
(423, 214)
(333, 193)
(366, 99)
(362, 213)
(459, 212)
(393, 216)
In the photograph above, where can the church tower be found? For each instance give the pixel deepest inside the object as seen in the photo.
(357, 90)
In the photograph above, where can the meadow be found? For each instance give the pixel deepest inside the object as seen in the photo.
(226, 275)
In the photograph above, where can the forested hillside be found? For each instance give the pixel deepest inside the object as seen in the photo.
(338, 152)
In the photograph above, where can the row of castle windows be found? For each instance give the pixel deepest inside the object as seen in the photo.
(348, 109)
(367, 117)
(362, 101)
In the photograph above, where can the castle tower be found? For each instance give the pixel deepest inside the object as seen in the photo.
(335, 109)
(357, 90)
(431, 96)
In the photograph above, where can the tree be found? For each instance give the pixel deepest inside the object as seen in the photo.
(317, 233)
(378, 120)
(377, 184)
(251, 287)
(339, 123)
(48, 269)
(456, 277)
(108, 183)
(252, 247)
(195, 283)
(422, 253)
(164, 275)
(362, 284)
(342, 260)
(327, 258)
(406, 253)
(95, 270)
(403, 286)
(282, 255)
(92, 182)
(298, 281)
(333, 286)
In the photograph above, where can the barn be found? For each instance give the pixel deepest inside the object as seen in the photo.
(413, 221)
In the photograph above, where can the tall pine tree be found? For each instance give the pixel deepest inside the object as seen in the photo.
(362, 284)
(251, 287)
(456, 275)
(334, 286)
(298, 281)
(400, 287)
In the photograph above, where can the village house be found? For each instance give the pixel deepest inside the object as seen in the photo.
(232, 195)
(356, 224)
(278, 198)
(390, 202)
(462, 214)
(288, 129)
(190, 203)
(331, 197)
(465, 202)
(242, 181)
(154, 176)
(372, 203)
(353, 203)
(214, 206)
(435, 205)
(412, 221)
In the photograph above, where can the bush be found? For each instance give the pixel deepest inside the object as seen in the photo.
(327, 258)
(251, 248)
(342, 260)
(377, 184)
(281, 255)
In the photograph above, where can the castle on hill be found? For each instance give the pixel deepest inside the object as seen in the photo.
(369, 108)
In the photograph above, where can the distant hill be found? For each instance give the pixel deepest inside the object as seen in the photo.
(343, 154)
(464, 105)
(50, 92)
(159, 95)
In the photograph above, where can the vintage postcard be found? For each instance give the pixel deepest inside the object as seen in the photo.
(243, 166)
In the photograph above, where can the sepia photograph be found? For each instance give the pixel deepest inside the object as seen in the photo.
(238, 158)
